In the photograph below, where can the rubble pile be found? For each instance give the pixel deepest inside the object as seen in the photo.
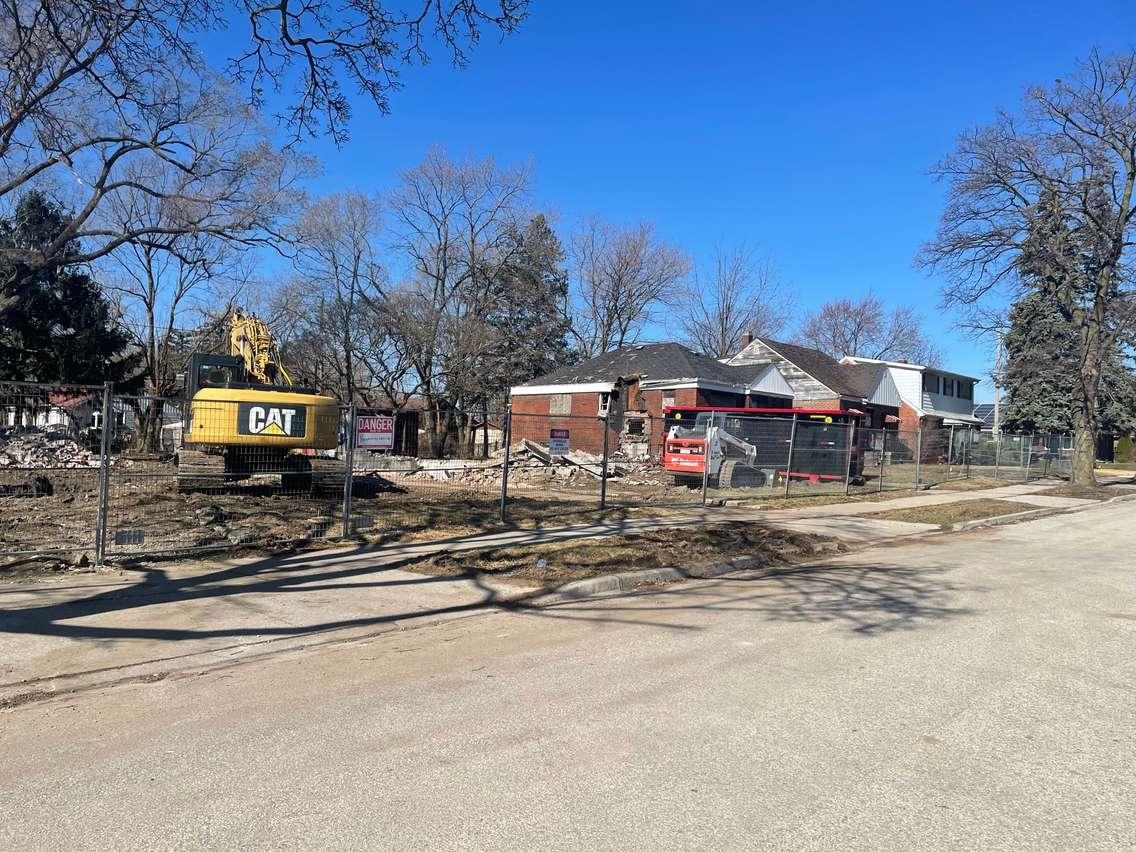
(532, 463)
(43, 451)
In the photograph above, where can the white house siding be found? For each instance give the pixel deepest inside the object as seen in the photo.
(908, 384)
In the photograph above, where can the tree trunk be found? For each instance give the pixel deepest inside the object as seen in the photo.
(1085, 416)
(1084, 448)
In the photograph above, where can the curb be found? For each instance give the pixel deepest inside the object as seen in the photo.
(630, 580)
(1032, 514)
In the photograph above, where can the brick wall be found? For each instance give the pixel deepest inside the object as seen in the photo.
(531, 420)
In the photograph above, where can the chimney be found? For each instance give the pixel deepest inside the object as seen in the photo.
(747, 338)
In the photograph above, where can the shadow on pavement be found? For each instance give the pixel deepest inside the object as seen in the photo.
(868, 600)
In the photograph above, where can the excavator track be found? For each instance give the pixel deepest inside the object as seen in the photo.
(198, 471)
(327, 475)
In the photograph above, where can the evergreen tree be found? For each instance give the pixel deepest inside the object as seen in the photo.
(1041, 380)
(55, 323)
(528, 316)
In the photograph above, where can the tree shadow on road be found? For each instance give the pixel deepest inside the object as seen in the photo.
(868, 600)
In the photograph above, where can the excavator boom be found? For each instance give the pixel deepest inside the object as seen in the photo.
(251, 340)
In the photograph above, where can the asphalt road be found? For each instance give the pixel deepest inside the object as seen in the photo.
(974, 690)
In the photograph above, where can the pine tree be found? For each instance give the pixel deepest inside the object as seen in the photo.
(55, 323)
(528, 316)
(1040, 376)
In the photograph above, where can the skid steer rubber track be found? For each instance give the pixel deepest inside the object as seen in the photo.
(736, 474)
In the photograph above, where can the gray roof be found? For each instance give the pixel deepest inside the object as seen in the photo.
(650, 362)
(855, 380)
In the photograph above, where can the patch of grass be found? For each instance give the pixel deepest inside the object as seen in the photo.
(819, 500)
(562, 562)
(948, 514)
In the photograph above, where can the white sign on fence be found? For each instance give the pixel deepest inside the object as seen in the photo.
(558, 442)
(374, 432)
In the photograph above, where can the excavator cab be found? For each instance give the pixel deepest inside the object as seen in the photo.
(214, 371)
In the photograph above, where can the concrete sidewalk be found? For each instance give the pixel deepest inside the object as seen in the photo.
(146, 621)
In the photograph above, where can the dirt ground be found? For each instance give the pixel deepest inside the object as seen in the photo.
(553, 564)
(946, 514)
(147, 516)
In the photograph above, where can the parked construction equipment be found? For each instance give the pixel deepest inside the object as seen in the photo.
(246, 418)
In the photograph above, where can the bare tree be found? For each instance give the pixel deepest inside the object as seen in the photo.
(1046, 201)
(739, 293)
(90, 88)
(364, 43)
(621, 277)
(455, 223)
(341, 283)
(868, 328)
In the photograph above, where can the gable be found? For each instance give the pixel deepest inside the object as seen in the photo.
(885, 392)
(803, 384)
(770, 381)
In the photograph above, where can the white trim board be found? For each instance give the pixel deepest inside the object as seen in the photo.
(540, 390)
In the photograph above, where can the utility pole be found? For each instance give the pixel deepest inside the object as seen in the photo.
(997, 377)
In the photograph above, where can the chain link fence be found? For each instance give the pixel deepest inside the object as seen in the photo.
(87, 475)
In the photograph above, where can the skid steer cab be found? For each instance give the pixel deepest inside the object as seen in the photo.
(749, 447)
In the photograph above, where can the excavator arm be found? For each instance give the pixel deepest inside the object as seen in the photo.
(252, 341)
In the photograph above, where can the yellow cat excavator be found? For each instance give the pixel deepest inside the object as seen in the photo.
(245, 418)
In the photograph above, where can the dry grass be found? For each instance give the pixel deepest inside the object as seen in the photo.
(947, 514)
(562, 562)
(820, 500)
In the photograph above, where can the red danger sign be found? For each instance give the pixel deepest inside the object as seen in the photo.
(374, 432)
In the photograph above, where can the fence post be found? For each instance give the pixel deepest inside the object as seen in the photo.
(349, 472)
(950, 451)
(1029, 457)
(603, 473)
(107, 426)
(789, 461)
(918, 455)
(706, 456)
(508, 436)
(848, 457)
(997, 453)
(967, 451)
(883, 458)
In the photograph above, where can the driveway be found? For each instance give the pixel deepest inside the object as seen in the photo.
(973, 690)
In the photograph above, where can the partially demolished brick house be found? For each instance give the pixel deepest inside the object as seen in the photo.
(636, 383)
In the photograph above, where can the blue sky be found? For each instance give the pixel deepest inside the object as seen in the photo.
(805, 130)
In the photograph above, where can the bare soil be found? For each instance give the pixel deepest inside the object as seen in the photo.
(148, 517)
(948, 514)
(1083, 492)
(563, 562)
(976, 483)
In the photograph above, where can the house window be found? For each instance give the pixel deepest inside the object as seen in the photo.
(635, 426)
(948, 387)
(930, 383)
(604, 404)
(966, 390)
(668, 400)
(560, 403)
